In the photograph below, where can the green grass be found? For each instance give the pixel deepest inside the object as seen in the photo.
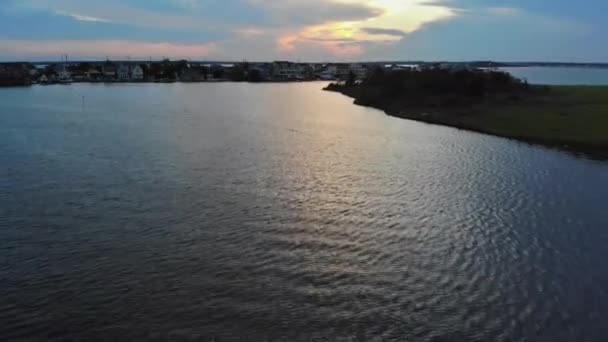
(565, 115)
(569, 117)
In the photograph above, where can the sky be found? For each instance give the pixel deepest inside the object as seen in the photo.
(305, 30)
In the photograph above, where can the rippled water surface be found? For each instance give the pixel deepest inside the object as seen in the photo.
(281, 212)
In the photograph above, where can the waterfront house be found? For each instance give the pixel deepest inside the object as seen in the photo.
(64, 76)
(93, 75)
(285, 71)
(262, 70)
(334, 71)
(359, 70)
(123, 73)
(137, 73)
(342, 70)
(193, 74)
(109, 72)
(326, 72)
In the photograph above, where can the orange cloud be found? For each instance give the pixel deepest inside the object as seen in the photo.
(394, 21)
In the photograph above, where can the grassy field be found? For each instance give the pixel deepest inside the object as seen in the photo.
(564, 115)
(573, 118)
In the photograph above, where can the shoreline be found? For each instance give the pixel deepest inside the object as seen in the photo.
(464, 119)
(157, 82)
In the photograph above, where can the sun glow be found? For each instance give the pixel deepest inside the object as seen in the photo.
(397, 18)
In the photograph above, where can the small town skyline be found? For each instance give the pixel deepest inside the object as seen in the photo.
(61, 59)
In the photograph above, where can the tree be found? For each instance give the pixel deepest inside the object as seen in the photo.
(238, 73)
(254, 75)
(350, 80)
(205, 72)
(217, 72)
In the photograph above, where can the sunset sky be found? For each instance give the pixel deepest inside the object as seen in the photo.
(306, 30)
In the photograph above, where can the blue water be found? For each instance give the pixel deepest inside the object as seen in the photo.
(279, 212)
(561, 76)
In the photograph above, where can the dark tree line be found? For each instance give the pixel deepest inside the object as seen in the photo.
(433, 85)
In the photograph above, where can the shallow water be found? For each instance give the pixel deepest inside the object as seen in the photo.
(561, 75)
(282, 212)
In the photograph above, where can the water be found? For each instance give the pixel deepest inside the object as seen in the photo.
(561, 76)
(277, 212)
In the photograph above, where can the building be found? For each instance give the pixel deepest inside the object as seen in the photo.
(109, 72)
(342, 70)
(64, 76)
(287, 71)
(327, 74)
(261, 69)
(359, 70)
(94, 75)
(193, 74)
(137, 73)
(123, 73)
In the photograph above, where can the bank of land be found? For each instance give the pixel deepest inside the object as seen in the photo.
(569, 117)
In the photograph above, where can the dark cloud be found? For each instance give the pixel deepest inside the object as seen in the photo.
(382, 31)
(330, 40)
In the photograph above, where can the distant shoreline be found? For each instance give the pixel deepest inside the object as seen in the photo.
(155, 82)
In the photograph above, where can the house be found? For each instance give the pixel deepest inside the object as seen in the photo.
(109, 72)
(79, 77)
(94, 74)
(284, 71)
(64, 76)
(261, 69)
(123, 73)
(331, 72)
(137, 73)
(193, 74)
(342, 70)
(359, 70)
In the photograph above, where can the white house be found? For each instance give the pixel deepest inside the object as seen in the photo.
(335, 71)
(137, 73)
(327, 74)
(64, 76)
(123, 73)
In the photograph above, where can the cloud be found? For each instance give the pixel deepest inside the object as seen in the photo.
(382, 31)
(121, 12)
(334, 27)
(313, 12)
(508, 11)
(81, 17)
(105, 48)
(249, 31)
(352, 38)
(288, 29)
(494, 34)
